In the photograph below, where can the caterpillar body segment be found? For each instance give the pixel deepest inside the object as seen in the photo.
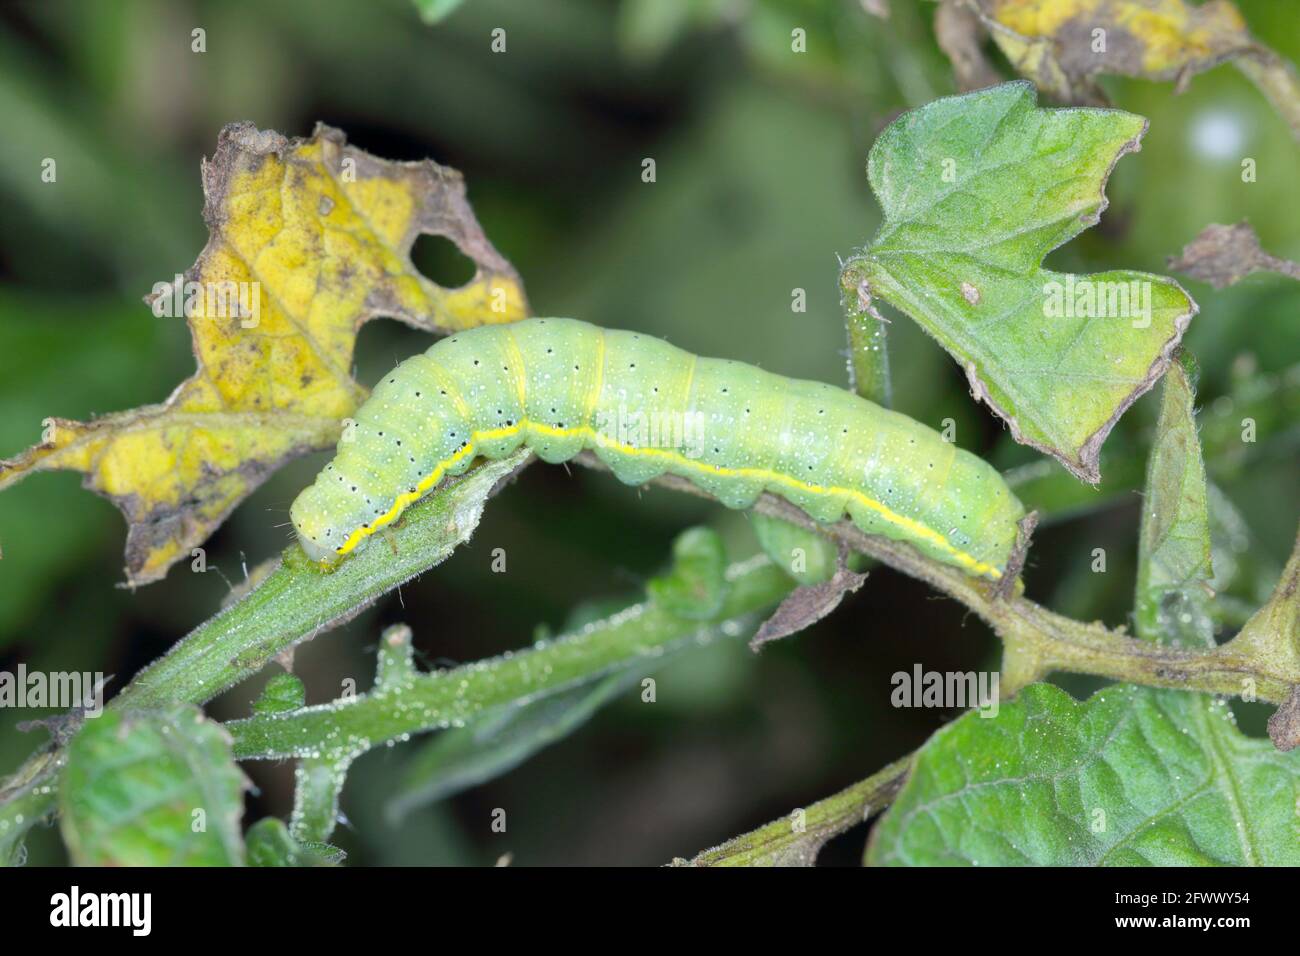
(646, 408)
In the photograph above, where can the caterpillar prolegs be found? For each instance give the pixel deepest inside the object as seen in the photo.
(645, 407)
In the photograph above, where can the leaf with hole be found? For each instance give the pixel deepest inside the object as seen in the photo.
(309, 239)
(976, 190)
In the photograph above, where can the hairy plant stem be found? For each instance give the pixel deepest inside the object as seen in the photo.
(292, 604)
(397, 707)
(868, 338)
(795, 840)
(1038, 642)
(295, 602)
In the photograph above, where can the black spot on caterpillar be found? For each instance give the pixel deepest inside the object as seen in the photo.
(644, 407)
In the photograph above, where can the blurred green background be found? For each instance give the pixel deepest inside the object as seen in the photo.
(760, 158)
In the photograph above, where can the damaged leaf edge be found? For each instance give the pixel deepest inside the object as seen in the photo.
(1086, 464)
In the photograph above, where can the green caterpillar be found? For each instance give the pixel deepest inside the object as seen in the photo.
(645, 408)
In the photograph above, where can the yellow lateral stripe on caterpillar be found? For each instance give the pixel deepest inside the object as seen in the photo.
(974, 565)
(645, 407)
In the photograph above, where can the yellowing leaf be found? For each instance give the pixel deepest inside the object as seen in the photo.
(1063, 44)
(309, 239)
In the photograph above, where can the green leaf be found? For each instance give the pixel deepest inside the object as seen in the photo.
(152, 789)
(1273, 632)
(808, 557)
(282, 692)
(1133, 775)
(1173, 590)
(1271, 636)
(269, 844)
(1130, 777)
(976, 190)
(696, 585)
(1269, 402)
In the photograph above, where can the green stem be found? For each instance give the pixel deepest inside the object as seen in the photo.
(868, 339)
(318, 782)
(1038, 642)
(26, 798)
(347, 728)
(796, 839)
(294, 603)
(298, 601)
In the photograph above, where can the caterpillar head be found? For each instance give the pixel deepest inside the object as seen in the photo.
(318, 539)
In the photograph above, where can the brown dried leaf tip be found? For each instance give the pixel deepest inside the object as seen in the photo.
(1224, 255)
